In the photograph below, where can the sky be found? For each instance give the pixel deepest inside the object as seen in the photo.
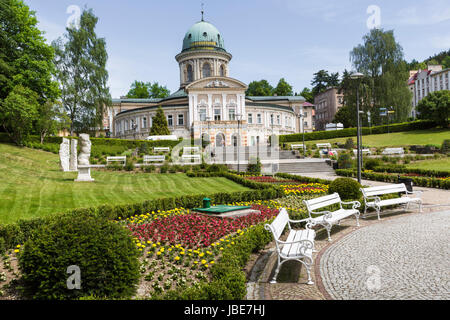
(269, 39)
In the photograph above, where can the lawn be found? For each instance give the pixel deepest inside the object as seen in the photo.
(438, 164)
(396, 139)
(32, 185)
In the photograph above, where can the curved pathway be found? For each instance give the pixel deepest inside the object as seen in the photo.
(403, 258)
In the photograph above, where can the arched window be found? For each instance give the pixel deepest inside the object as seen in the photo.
(206, 70)
(190, 73)
(222, 71)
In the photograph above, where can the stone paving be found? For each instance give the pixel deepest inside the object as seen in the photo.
(404, 258)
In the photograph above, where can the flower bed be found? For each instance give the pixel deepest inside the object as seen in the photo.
(305, 188)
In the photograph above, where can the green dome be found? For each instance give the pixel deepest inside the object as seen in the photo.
(203, 35)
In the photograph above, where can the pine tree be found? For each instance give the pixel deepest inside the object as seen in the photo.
(159, 124)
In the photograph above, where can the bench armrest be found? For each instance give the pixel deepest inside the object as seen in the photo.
(414, 192)
(375, 198)
(305, 243)
(298, 221)
(355, 204)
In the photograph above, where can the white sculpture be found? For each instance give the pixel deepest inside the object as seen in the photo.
(64, 154)
(73, 165)
(84, 168)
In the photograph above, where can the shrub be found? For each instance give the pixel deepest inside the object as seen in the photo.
(349, 144)
(104, 252)
(445, 146)
(344, 161)
(347, 188)
(254, 167)
(371, 163)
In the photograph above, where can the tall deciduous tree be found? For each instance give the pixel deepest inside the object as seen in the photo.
(81, 64)
(436, 106)
(380, 59)
(159, 124)
(52, 118)
(142, 90)
(259, 88)
(283, 88)
(307, 94)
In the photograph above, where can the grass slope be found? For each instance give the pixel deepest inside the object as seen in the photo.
(396, 139)
(32, 184)
(438, 164)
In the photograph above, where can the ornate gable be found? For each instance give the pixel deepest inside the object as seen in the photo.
(216, 83)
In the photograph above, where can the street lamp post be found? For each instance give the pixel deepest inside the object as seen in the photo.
(302, 117)
(238, 117)
(357, 76)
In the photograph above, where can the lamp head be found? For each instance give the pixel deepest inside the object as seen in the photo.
(356, 75)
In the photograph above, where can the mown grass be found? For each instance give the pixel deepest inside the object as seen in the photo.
(396, 139)
(32, 185)
(438, 164)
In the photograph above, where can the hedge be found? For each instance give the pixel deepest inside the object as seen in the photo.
(302, 179)
(402, 169)
(429, 182)
(351, 132)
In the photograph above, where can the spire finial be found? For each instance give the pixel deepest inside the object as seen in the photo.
(203, 10)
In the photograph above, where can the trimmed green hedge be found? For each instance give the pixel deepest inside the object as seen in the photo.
(429, 182)
(403, 169)
(351, 132)
(302, 179)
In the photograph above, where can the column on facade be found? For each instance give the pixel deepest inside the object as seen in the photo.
(210, 109)
(224, 106)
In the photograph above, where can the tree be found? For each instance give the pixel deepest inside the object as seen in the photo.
(19, 110)
(259, 88)
(25, 59)
(344, 115)
(320, 82)
(307, 94)
(283, 88)
(436, 106)
(380, 59)
(141, 90)
(446, 62)
(159, 124)
(81, 66)
(52, 118)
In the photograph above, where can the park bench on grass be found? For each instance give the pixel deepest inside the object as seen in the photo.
(363, 151)
(328, 218)
(122, 159)
(148, 159)
(190, 157)
(191, 149)
(296, 146)
(161, 149)
(298, 246)
(372, 199)
(323, 145)
(389, 151)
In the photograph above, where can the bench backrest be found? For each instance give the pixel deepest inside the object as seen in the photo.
(191, 156)
(321, 202)
(393, 150)
(296, 146)
(355, 151)
(149, 158)
(156, 149)
(380, 190)
(190, 149)
(320, 145)
(278, 224)
(119, 158)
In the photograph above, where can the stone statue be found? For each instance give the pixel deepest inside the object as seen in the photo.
(85, 150)
(73, 165)
(64, 154)
(84, 168)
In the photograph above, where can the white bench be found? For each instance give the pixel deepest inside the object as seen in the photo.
(389, 151)
(328, 218)
(190, 157)
(122, 159)
(148, 159)
(363, 151)
(297, 146)
(323, 145)
(161, 149)
(298, 246)
(191, 149)
(372, 199)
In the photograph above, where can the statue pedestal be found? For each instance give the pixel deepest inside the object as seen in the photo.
(84, 174)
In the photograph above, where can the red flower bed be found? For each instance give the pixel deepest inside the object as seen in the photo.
(196, 230)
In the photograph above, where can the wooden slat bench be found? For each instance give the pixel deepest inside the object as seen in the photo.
(191, 149)
(298, 246)
(161, 149)
(389, 151)
(329, 218)
(323, 145)
(122, 159)
(190, 157)
(296, 146)
(372, 199)
(363, 151)
(149, 159)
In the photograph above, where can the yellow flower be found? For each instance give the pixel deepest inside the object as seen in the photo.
(203, 261)
(16, 251)
(177, 258)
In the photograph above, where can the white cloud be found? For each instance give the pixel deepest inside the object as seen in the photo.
(428, 13)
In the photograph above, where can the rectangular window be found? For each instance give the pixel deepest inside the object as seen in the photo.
(278, 120)
(202, 114)
(170, 120)
(306, 123)
(231, 114)
(144, 122)
(217, 114)
(259, 118)
(181, 120)
(250, 118)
